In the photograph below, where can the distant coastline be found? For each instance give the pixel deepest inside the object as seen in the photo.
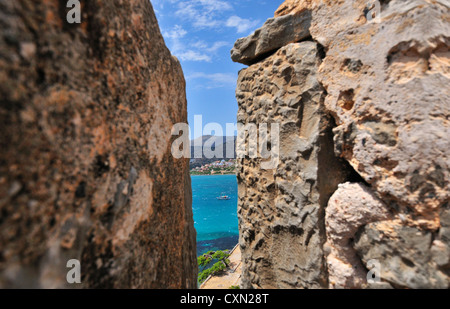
(212, 174)
(219, 167)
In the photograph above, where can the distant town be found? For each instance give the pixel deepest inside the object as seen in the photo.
(220, 167)
(213, 166)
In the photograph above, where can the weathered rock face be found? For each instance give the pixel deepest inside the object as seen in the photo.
(386, 78)
(351, 207)
(294, 6)
(281, 210)
(390, 100)
(85, 169)
(275, 33)
(408, 256)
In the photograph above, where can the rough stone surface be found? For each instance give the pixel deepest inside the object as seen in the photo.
(390, 99)
(275, 33)
(281, 210)
(85, 166)
(295, 6)
(352, 206)
(386, 76)
(404, 255)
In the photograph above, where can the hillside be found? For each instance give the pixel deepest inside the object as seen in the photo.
(218, 144)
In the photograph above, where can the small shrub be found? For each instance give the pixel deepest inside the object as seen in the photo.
(220, 260)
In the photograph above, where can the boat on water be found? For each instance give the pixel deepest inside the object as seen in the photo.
(223, 197)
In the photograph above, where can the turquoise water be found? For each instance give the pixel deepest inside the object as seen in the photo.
(215, 220)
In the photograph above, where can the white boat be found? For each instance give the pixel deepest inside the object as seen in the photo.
(223, 197)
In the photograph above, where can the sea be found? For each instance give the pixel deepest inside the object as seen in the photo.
(215, 220)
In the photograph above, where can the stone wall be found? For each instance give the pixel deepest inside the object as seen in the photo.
(85, 165)
(373, 86)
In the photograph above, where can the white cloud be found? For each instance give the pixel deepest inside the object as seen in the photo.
(181, 49)
(216, 46)
(193, 16)
(202, 13)
(202, 45)
(176, 33)
(197, 51)
(215, 5)
(241, 24)
(191, 55)
(214, 80)
(207, 14)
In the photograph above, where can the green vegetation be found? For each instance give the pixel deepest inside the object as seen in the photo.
(218, 259)
(234, 287)
(217, 171)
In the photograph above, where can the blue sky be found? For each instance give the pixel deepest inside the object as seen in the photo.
(201, 33)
